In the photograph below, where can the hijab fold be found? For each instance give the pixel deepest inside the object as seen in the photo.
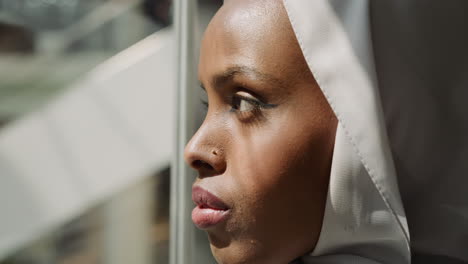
(364, 220)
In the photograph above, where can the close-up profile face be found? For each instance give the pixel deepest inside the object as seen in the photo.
(263, 153)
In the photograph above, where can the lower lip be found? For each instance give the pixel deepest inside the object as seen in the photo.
(204, 218)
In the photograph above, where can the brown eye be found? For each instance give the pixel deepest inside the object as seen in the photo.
(242, 104)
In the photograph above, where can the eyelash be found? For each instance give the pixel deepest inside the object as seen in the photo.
(236, 104)
(204, 103)
(236, 100)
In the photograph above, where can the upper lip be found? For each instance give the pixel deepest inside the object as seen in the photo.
(205, 199)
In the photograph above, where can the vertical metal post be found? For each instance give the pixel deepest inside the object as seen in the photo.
(182, 231)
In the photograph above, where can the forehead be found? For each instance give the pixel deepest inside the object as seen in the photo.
(254, 34)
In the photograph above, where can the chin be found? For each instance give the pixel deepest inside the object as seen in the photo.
(232, 256)
(243, 253)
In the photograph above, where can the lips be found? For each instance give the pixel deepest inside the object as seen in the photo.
(209, 210)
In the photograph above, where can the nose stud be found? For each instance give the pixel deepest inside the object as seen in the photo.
(214, 152)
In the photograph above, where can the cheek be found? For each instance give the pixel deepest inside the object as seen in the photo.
(280, 170)
(279, 156)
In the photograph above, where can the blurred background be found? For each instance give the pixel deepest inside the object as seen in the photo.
(88, 113)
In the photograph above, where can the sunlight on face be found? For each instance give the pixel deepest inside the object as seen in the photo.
(264, 151)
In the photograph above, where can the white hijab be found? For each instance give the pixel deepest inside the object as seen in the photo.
(412, 125)
(364, 219)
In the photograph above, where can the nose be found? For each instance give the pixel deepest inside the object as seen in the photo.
(205, 154)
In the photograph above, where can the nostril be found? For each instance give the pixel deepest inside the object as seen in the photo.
(202, 166)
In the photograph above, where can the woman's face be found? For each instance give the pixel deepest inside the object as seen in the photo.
(263, 152)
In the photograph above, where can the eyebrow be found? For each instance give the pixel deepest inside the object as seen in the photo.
(230, 73)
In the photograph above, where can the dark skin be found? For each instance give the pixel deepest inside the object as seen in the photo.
(266, 144)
